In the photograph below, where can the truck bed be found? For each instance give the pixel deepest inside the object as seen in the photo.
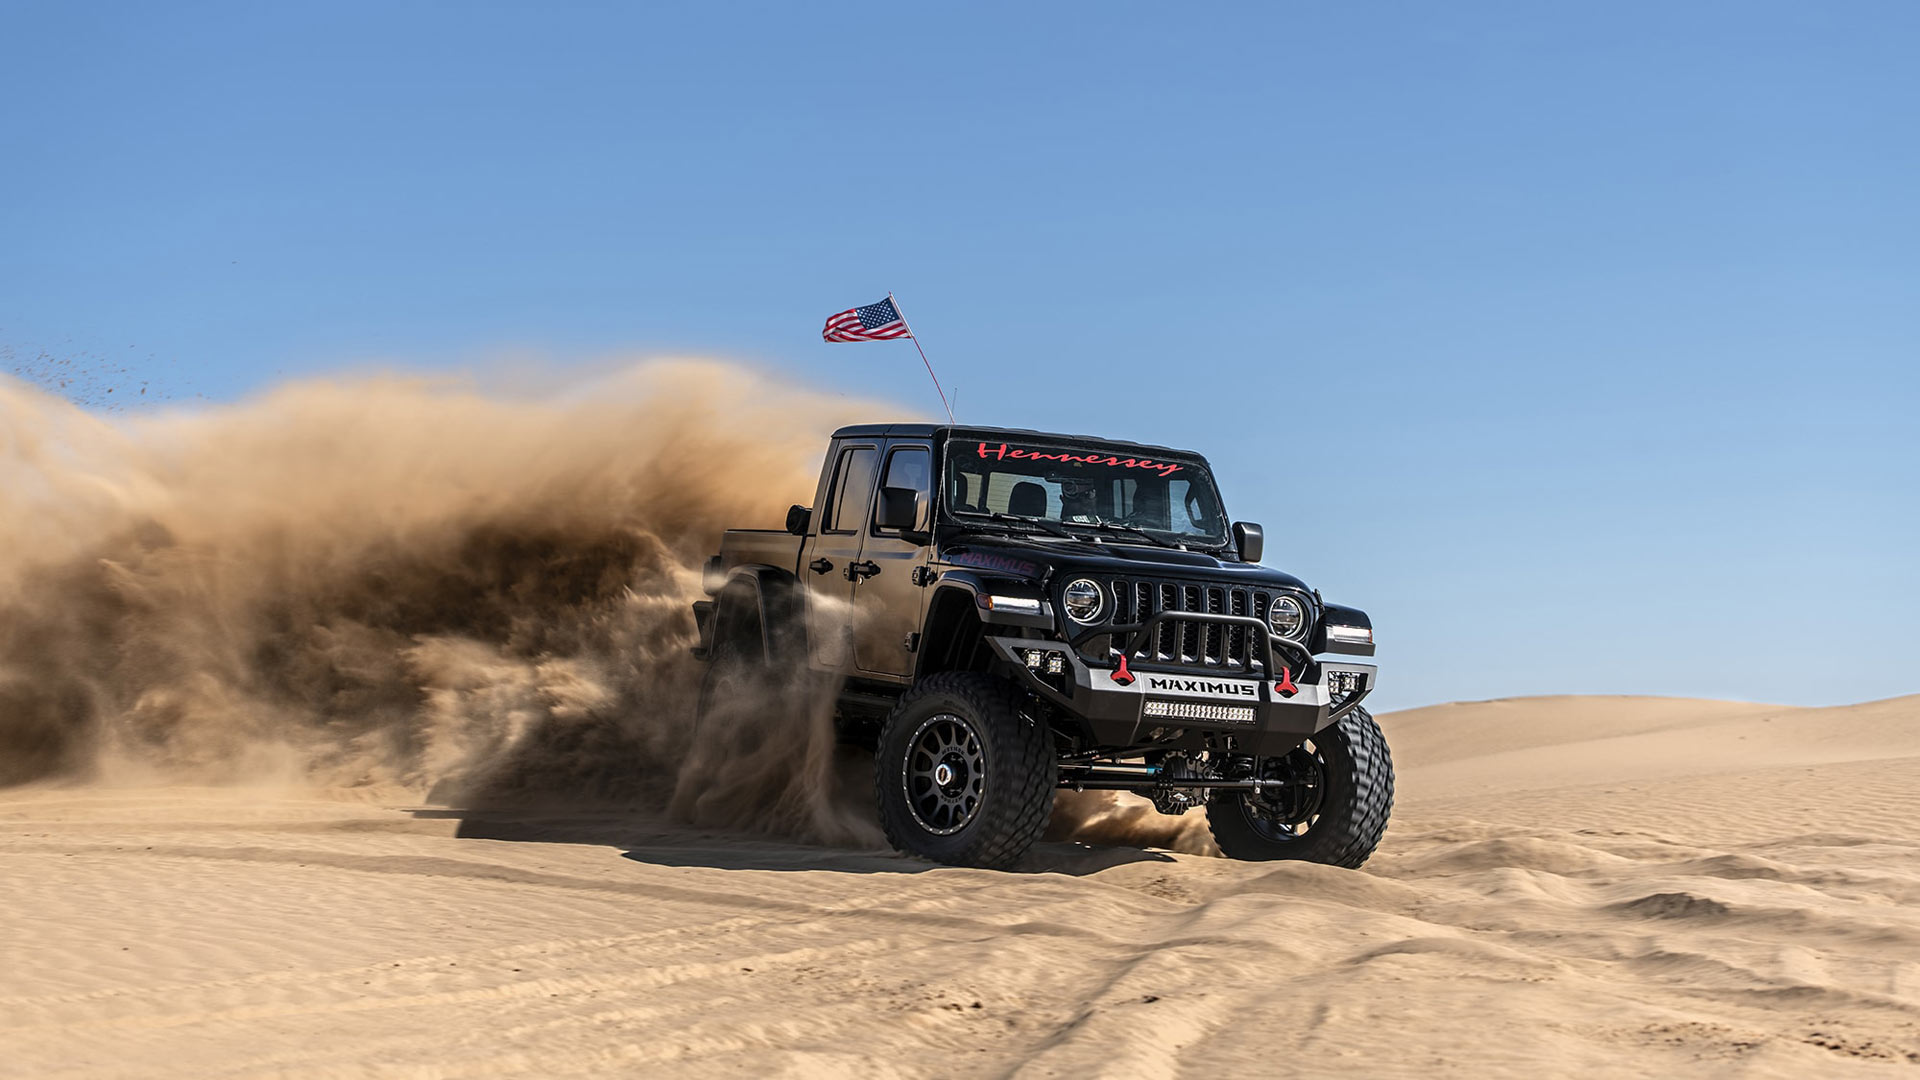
(769, 547)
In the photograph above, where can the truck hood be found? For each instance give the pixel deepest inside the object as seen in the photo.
(1019, 557)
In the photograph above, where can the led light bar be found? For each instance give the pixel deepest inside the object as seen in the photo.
(1350, 635)
(1193, 710)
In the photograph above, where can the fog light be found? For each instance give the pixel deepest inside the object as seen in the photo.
(1056, 664)
(1343, 682)
(1034, 658)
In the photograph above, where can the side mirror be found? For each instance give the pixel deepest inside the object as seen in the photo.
(899, 509)
(1249, 540)
(798, 518)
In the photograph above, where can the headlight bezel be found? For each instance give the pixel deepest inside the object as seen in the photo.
(1302, 613)
(1099, 600)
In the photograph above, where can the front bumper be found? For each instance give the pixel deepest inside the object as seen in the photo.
(1259, 713)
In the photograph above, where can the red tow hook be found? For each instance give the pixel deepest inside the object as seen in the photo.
(1285, 687)
(1120, 674)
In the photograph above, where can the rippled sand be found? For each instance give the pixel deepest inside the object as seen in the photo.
(1602, 886)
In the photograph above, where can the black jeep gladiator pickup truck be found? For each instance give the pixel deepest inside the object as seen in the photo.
(1006, 613)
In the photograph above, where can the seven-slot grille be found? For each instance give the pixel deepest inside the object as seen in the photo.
(1191, 644)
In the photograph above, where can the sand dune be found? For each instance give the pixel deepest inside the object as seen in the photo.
(1608, 886)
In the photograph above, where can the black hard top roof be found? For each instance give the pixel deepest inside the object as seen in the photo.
(924, 431)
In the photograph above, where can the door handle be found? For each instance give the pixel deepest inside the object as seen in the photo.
(820, 566)
(858, 570)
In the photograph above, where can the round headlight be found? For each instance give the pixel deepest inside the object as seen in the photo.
(1287, 618)
(1084, 600)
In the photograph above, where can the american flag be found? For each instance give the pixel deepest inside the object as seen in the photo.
(875, 322)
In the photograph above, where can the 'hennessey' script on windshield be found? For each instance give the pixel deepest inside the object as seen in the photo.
(1004, 452)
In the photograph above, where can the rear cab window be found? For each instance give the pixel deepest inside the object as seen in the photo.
(852, 489)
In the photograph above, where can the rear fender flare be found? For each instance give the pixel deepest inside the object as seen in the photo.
(773, 600)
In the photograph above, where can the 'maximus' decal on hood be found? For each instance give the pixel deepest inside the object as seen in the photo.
(1004, 452)
(987, 560)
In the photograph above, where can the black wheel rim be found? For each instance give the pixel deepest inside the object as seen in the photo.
(1288, 813)
(945, 774)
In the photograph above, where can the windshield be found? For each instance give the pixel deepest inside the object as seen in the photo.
(1073, 482)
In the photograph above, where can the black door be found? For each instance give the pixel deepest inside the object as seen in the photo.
(838, 532)
(887, 601)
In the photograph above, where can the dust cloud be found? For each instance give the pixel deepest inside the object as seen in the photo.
(392, 582)
(1117, 817)
(405, 585)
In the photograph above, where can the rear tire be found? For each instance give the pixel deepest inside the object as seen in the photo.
(1336, 810)
(738, 679)
(962, 777)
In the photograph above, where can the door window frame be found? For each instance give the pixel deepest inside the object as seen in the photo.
(895, 449)
(836, 487)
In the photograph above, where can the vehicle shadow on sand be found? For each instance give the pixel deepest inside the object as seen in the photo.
(649, 839)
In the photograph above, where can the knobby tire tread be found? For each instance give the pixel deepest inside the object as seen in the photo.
(1024, 755)
(1353, 832)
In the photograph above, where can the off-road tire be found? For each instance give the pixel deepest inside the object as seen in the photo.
(1353, 810)
(1019, 771)
(734, 669)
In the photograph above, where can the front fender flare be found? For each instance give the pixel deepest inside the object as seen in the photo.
(1336, 615)
(981, 587)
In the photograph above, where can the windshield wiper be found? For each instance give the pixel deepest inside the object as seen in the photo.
(1136, 530)
(1042, 524)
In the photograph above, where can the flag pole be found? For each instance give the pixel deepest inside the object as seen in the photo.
(915, 338)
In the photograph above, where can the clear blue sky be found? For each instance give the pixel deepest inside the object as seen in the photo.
(1576, 342)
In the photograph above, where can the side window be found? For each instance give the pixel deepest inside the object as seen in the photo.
(852, 489)
(910, 467)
